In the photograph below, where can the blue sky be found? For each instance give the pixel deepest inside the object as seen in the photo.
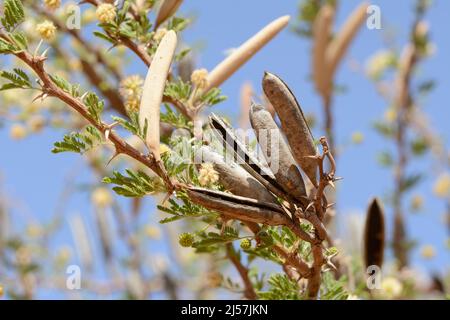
(35, 177)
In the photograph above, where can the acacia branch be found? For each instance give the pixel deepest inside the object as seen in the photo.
(249, 291)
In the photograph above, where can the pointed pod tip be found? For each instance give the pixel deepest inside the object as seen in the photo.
(170, 35)
(283, 20)
(256, 107)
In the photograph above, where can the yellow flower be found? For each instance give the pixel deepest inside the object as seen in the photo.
(101, 197)
(159, 34)
(131, 87)
(63, 255)
(186, 239)
(34, 231)
(390, 115)
(199, 78)
(163, 148)
(89, 16)
(46, 30)
(106, 13)
(52, 4)
(442, 186)
(378, 63)
(416, 202)
(428, 252)
(352, 297)
(17, 132)
(132, 105)
(357, 137)
(36, 123)
(391, 287)
(207, 174)
(153, 232)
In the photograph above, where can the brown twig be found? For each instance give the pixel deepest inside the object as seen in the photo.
(249, 291)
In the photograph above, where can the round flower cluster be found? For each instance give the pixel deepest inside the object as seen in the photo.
(207, 174)
(159, 34)
(52, 4)
(106, 13)
(391, 287)
(101, 197)
(17, 132)
(442, 186)
(186, 239)
(379, 62)
(131, 90)
(46, 30)
(199, 78)
(246, 244)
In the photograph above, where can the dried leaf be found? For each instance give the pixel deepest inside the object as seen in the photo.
(374, 235)
(242, 54)
(154, 88)
(293, 123)
(167, 9)
(277, 153)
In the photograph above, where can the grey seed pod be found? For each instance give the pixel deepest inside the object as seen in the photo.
(244, 157)
(234, 178)
(237, 207)
(374, 234)
(293, 123)
(277, 152)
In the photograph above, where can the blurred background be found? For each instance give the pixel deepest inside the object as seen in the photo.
(48, 201)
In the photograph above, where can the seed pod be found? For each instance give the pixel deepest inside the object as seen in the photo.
(245, 209)
(322, 32)
(374, 235)
(244, 158)
(341, 42)
(293, 123)
(237, 207)
(277, 153)
(153, 90)
(167, 9)
(234, 178)
(245, 51)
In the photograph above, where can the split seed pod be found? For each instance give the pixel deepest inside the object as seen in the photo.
(234, 178)
(153, 90)
(242, 54)
(167, 9)
(374, 234)
(243, 156)
(237, 207)
(293, 124)
(277, 152)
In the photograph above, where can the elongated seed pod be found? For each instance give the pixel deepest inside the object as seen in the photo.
(293, 123)
(245, 209)
(234, 178)
(244, 158)
(374, 234)
(339, 45)
(242, 54)
(167, 9)
(154, 88)
(277, 153)
(322, 32)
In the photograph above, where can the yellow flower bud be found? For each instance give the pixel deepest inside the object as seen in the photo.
(357, 137)
(36, 123)
(186, 239)
(207, 175)
(442, 186)
(101, 197)
(17, 132)
(106, 13)
(46, 30)
(52, 4)
(153, 232)
(391, 287)
(199, 78)
(428, 252)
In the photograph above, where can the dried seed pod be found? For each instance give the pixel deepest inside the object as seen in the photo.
(245, 51)
(322, 32)
(374, 234)
(237, 207)
(293, 123)
(244, 158)
(154, 88)
(341, 42)
(234, 178)
(277, 152)
(167, 9)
